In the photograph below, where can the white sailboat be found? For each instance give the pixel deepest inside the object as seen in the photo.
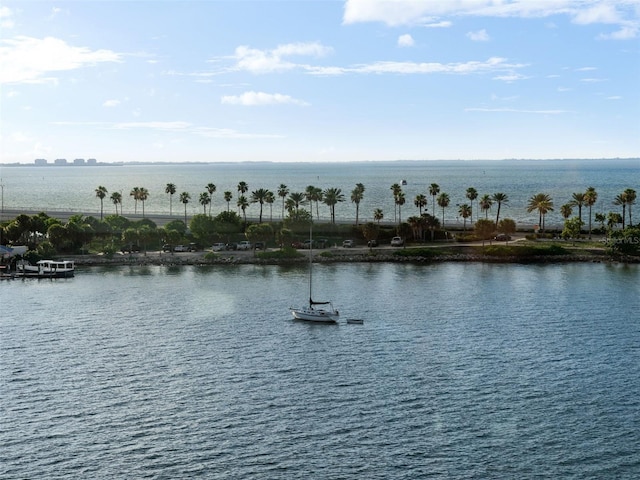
(322, 312)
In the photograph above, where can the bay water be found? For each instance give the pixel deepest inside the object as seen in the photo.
(52, 188)
(460, 370)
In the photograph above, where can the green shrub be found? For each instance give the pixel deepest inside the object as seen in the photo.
(523, 251)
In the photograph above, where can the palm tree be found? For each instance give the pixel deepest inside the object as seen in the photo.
(313, 194)
(485, 205)
(101, 192)
(116, 199)
(143, 194)
(211, 188)
(242, 188)
(243, 203)
(184, 198)
(396, 189)
(590, 199)
(566, 210)
(357, 194)
(259, 196)
(331, 197)
(443, 202)
(204, 200)
(621, 200)
(297, 199)
(135, 193)
(400, 200)
(472, 194)
(283, 191)
(432, 223)
(465, 212)
(378, 215)
(630, 193)
(270, 199)
(578, 200)
(170, 189)
(500, 198)
(434, 189)
(420, 201)
(543, 203)
(228, 196)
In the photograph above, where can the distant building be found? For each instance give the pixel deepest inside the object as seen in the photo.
(79, 161)
(41, 161)
(60, 161)
(92, 161)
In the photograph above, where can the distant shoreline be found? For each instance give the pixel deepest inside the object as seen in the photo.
(70, 163)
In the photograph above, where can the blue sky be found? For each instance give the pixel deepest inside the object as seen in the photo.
(319, 80)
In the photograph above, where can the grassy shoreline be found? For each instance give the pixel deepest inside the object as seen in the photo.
(512, 253)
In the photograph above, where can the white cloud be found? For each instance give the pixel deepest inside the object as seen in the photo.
(614, 97)
(164, 126)
(492, 64)
(420, 12)
(405, 40)
(265, 61)
(625, 33)
(260, 98)
(479, 36)
(6, 18)
(111, 103)
(28, 59)
(174, 127)
(514, 110)
(510, 77)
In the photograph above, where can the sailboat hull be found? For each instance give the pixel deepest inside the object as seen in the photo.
(319, 315)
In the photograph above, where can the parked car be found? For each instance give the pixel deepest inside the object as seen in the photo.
(231, 246)
(245, 245)
(218, 247)
(349, 243)
(167, 248)
(193, 247)
(320, 243)
(306, 244)
(397, 242)
(260, 246)
(297, 245)
(180, 248)
(130, 248)
(502, 237)
(372, 243)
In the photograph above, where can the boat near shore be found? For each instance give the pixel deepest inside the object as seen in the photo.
(47, 269)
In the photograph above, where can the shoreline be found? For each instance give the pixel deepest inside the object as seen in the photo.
(248, 258)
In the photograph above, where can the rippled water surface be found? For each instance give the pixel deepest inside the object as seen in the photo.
(459, 371)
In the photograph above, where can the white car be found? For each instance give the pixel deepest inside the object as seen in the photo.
(245, 245)
(397, 242)
(218, 247)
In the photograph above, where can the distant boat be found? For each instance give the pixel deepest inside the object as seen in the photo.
(322, 312)
(403, 182)
(47, 269)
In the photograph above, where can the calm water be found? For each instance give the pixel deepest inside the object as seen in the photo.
(73, 188)
(459, 371)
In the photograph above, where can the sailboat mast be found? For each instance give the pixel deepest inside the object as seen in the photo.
(310, 262)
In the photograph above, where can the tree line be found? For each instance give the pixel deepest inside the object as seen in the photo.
(300, 207)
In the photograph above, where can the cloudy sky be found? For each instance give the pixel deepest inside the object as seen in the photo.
(319, 80)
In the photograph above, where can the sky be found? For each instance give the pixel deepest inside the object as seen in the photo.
(331, 81)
